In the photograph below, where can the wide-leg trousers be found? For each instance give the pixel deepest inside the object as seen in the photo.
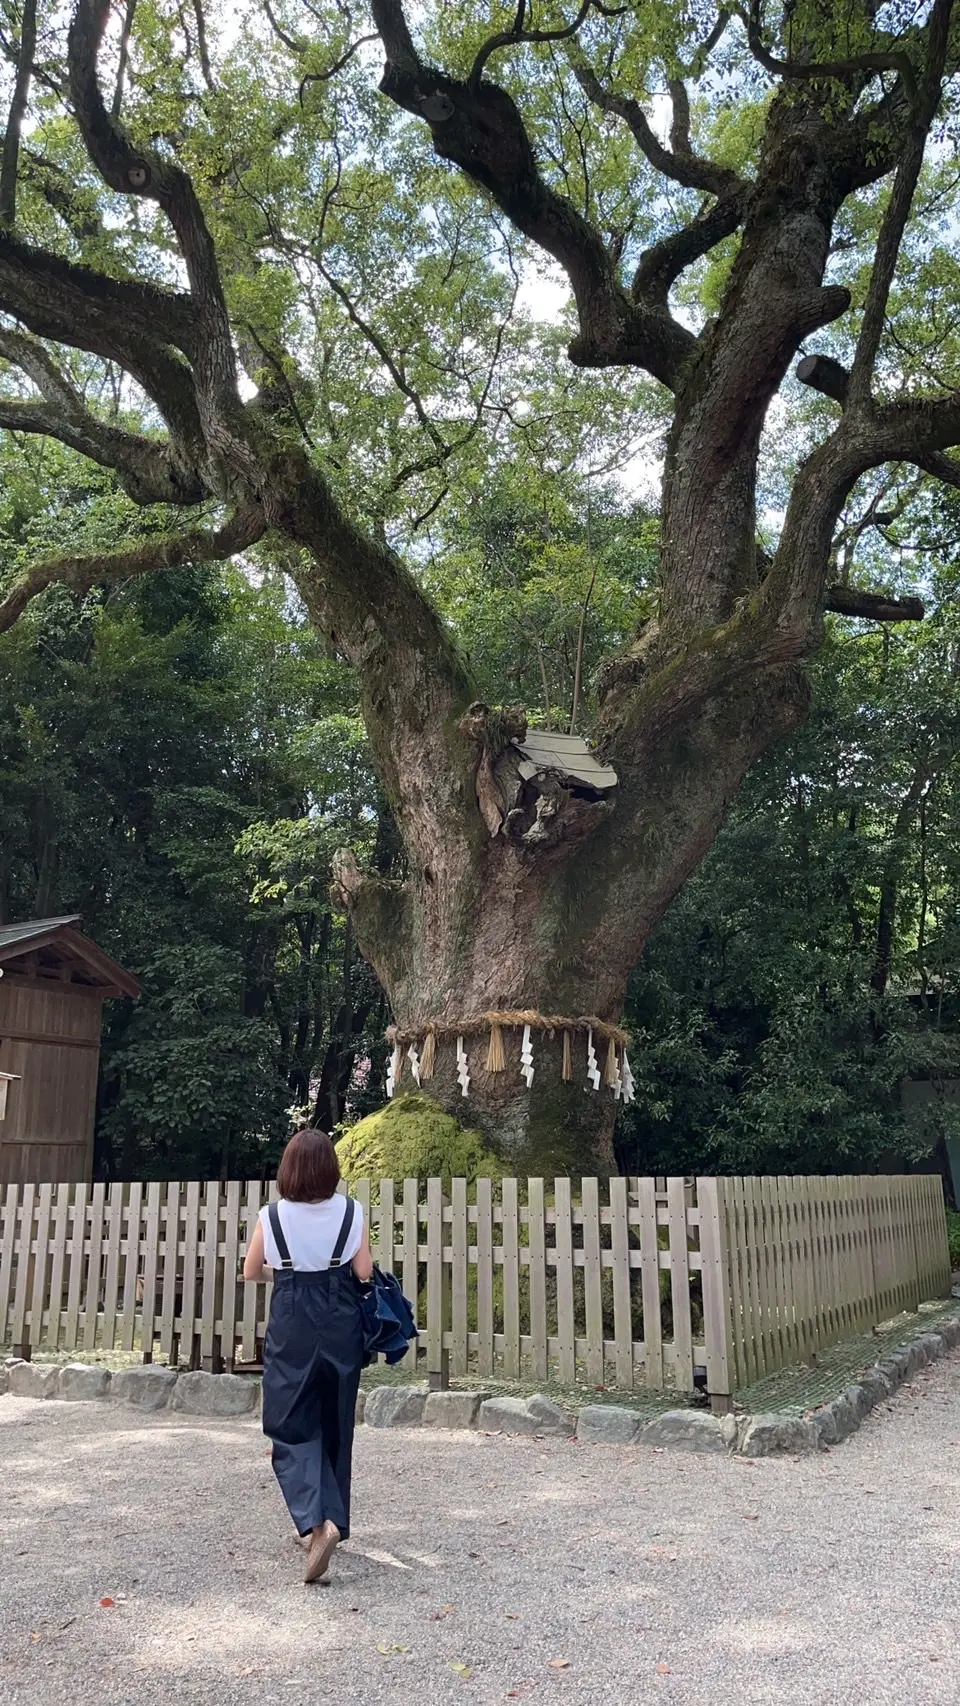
(312, 1359)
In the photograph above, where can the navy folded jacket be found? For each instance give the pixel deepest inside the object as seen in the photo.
(388, 1324)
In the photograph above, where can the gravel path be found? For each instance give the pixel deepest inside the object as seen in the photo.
(554, 1573)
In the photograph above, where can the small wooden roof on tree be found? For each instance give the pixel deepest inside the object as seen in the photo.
(55, 949)
(565, 756)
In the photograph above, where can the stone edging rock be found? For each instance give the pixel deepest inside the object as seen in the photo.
(149, 1387)
(152, 1387)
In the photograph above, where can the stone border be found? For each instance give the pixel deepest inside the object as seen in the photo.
(767, 1434)
(152, 1387)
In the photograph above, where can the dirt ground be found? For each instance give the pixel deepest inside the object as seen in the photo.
(481, 1569)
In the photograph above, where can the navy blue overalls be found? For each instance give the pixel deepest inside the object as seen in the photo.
(312, 1359)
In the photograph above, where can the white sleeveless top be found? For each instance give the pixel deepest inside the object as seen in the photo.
(311, 1230)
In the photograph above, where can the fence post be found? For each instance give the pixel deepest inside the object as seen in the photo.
(8, 1254)
(212, 1291)
(438, 1291)
(717, 1325)
(20, 1335)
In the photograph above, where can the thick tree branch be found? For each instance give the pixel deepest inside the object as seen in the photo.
(914, 431)
(683, 165)
(944, 468)
(482, 132)
(517, 34)
(840, 70)
(924, 104)
(872, 606)
(825, 375)
(143, 172)
(36, 285)
(167, 551)
(414, 685)
(130, 324)
(795, 589)
(147, 470)
(663, 263)
(18, 107)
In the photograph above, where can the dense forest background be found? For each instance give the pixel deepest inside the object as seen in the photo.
(179, 759)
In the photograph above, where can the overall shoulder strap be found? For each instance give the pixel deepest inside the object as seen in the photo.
(343, 1234)
(286, 1260)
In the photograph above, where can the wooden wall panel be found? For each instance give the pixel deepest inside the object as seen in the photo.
(43, 1008)
(50, 1037)
(43, 1163)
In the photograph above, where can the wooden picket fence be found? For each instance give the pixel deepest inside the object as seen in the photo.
(808, 1262)
(626, 1282)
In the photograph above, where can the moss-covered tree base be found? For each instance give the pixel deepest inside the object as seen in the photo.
(412, 1138)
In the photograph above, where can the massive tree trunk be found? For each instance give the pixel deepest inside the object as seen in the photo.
(553, 920)
(531, 895)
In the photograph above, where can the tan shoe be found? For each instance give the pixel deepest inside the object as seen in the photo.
(323, 1543)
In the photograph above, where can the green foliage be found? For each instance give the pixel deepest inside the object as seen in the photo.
(178, 760)
(953, 1234)
(412, 1138)
(773, 1028)
(529, 558)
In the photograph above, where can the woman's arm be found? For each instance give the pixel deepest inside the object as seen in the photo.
(363, 1260)
(254, 1266)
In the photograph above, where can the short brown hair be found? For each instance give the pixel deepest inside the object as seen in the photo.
(309, 1170)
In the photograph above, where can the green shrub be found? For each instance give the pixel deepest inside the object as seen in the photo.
(953, 1233)
(412, 1138)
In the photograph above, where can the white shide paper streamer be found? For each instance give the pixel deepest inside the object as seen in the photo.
(463, 1068)
(393, 1072)
(526, 1056)
(414, 1060)
(593, 1069)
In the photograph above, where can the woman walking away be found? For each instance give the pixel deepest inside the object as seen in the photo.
(315, 1247)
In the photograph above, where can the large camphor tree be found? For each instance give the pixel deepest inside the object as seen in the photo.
(176, 191)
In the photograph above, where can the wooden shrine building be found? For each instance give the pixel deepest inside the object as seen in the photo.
(53, 983)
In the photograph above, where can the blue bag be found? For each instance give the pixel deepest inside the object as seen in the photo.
(388, 1323)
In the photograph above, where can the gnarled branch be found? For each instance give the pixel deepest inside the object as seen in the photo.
(816, 71)
(169, 550)
(683, 165)
(147, 469)
(480, 129)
